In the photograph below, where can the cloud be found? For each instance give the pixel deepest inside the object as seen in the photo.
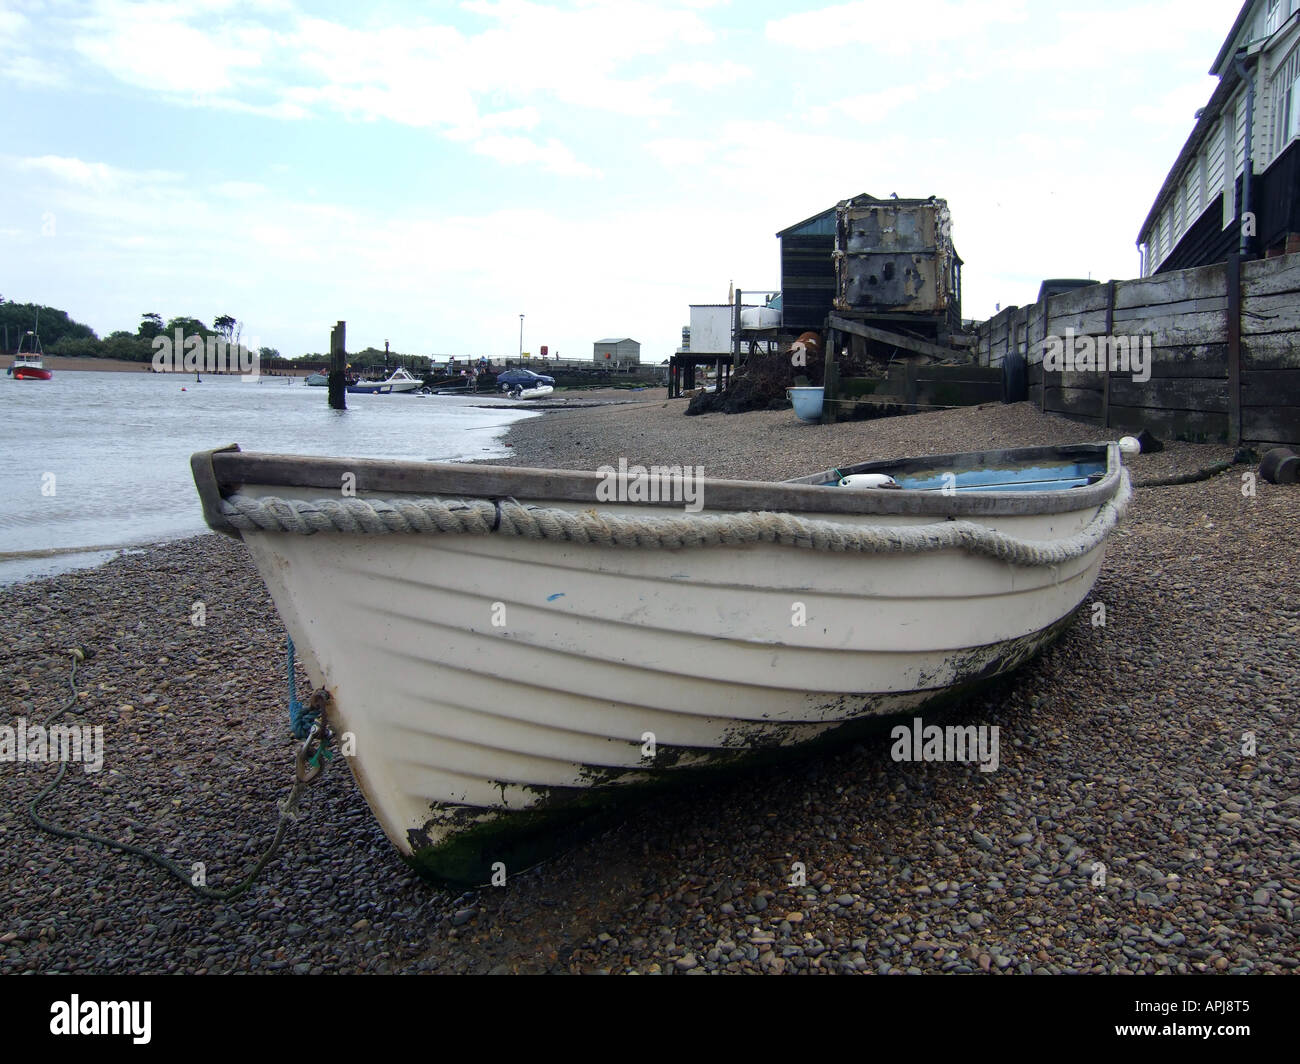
(95, 176)
(892, 27)
(876, 106)
(31, 72)
(552, 156)
(705, 74)
(149, 47)
(504, 68)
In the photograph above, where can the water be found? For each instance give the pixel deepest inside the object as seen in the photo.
(94, 462)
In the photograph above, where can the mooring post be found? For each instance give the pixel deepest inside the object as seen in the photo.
(338, 385)
(830, 379)
(1233, 272)
(735, 330)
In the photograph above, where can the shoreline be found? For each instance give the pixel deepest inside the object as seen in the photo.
(1121, 746)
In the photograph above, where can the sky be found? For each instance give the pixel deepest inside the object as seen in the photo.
(428, 172)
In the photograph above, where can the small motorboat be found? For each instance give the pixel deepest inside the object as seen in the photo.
(540, 391)
(510, 647)
(317, 380)
(399, 381)
(29, 365)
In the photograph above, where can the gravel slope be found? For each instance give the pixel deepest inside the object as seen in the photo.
(1120, 745)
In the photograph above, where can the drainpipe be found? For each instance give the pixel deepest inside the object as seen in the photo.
(1248, 163)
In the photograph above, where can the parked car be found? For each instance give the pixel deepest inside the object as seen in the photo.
(522, 378)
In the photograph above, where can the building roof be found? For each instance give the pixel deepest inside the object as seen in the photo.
(1227, 49)
(854, 201)
(1209, 115)
(615, 340)
(1228, 82)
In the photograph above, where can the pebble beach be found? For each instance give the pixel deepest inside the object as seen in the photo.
(1145, 816)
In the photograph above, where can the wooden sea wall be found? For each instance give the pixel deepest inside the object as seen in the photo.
(1225, 352)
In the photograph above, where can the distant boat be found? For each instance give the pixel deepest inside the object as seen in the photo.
(505, 643)
(29, 365)
(400, 381)
(317, 380)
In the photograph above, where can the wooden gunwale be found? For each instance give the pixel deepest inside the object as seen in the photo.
(223, 471)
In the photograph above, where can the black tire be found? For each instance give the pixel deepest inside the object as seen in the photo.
(1015, 378)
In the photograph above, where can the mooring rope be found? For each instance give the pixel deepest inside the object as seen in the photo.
(481, 517)
(288, 810)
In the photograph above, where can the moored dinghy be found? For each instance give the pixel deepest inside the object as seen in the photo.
(507, 644)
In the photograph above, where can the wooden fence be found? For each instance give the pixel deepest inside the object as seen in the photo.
(1225, 352)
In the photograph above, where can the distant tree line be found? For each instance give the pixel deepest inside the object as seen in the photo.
(372, 357)
(60, 335)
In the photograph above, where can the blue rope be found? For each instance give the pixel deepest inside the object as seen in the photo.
(301, 717)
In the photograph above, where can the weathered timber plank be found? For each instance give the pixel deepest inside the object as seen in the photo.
(1201, 328)
(908, 343)
(1270, 351)
(961, 374)
(1271, 425)
(1171, 393)
(1216, 304)
(1094, 381)
(1194, 425)
(1190, 360)
(1271, 314)
(1077, 301)
(1083, 401)
(1270, 387)
(1205, 281)
(1267, 277)
(1092, 322)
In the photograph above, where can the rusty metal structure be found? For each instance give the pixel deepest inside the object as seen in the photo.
(894, 261)
(887, 263)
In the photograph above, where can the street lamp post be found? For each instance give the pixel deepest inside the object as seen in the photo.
(521, 337)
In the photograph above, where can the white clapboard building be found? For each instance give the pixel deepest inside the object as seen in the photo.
(1250, 126)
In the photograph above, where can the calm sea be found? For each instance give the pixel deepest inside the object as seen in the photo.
(96, 461)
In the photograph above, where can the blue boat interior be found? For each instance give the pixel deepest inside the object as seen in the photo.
(1039, 469)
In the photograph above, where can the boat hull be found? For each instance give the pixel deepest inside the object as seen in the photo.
(489, 687)
(29, 373)
(540, 391)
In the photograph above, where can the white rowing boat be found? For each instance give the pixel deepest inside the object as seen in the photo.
(505, 645)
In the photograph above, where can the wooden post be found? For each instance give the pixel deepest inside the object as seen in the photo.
(1042, 303)
(735, 332)
(1233, 272)
(1105, 379)
(830, 379)
(338, 386)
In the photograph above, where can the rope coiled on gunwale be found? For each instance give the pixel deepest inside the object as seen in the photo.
(481, 517)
